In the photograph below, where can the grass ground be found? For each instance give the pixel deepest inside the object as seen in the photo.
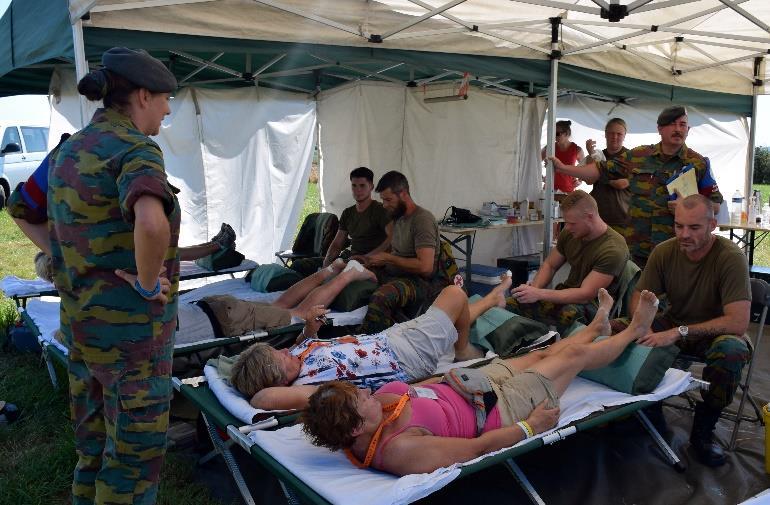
(37, 451)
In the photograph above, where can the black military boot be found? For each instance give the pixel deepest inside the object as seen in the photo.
(707, 451)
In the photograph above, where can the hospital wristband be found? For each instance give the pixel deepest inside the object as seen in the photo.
(143, 292)
(526, 428)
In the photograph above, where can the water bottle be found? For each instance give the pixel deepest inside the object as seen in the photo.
(766, 215)
(736, 208)
(752, 220)
(757, 221)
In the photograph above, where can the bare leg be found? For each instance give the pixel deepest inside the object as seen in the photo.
(296, 293)
(495, 298)
(562, 367)
(326, 293)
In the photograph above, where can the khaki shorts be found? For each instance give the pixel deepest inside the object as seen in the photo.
(238, 317)
(518, 392)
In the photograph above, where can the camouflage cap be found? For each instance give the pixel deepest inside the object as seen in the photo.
(671, 114)
(140, 68)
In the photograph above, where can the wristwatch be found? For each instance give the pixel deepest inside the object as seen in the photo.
(683, 331)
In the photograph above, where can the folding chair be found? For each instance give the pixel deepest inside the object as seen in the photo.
(314, 237)
(760, 294)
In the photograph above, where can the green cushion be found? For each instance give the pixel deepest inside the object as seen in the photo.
(503, 331)
(356, 294)
(220, 260)
(272, 277)
(637, 371)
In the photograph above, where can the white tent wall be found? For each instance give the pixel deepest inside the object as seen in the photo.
(453, 153)
(723, 137)
(240, 156)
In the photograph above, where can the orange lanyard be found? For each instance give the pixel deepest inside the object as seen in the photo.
(316, 344)
(396, 407)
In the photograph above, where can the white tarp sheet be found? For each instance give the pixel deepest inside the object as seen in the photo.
(721, 137)
(240, 156)
(458, 153)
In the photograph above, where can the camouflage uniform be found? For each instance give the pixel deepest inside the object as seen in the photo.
(561, 316)
(647, 170)
(119, 344)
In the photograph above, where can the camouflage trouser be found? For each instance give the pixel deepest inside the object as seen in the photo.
(724, 356)
(120, 421)
(561, 316)
(394, 294)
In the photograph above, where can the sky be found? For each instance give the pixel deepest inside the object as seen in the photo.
(35, 108)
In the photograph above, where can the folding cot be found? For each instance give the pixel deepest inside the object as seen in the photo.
(316, 474)
(20, 290)
(42, 317)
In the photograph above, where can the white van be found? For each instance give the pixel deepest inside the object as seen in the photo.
(22, 149)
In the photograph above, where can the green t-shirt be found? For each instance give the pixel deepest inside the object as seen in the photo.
(366, 229)
(606, 254)
(697, 291)
(416, 231)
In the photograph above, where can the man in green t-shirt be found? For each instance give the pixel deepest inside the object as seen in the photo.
(597, 256)
(706, 281)
(408, 273)
(366, 223)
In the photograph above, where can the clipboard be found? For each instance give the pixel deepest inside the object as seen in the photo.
(683, 182)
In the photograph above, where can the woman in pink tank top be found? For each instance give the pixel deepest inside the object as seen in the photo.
(405, 429)
(568, 153)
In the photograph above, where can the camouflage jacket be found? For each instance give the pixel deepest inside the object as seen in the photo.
(94, 182)
(647, 170)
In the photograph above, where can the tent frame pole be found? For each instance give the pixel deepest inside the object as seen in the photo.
(550, 146)
(81, 65)
(759, 64)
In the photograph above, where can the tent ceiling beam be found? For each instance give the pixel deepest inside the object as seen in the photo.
(81, 11)
(282, 85)
(357, 70)
(433, 12)
(722, 44)
(621, 47)
(671, 29)
(269, 64)
(443, 14)
(443, 74)
(603, 41)
(210, 64)
(513, 41)
(664, 5)
(697, 15)
(721, 63)
(602, 4)
(201, 67)
(636, 5)
(498, 86)
(298, 70)
(709, 56)
(562, 5)
(307, 15)
(743, 12)
(212, 81)
(143, 4)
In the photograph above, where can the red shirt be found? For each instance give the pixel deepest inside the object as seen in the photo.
(569, 156)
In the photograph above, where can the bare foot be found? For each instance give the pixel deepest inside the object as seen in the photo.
(499, 291)
(469, 352)
(644, 314)
(336, 266)
(601, 322)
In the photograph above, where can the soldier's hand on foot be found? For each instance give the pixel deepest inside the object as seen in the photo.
(660, 339)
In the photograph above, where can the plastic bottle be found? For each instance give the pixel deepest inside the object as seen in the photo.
(752, 211)
(766, 216)
(736, 208)
(757, 221)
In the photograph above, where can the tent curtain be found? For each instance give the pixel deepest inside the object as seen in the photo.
(238, 156)
(458, 153)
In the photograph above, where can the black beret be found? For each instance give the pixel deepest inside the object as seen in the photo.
(140, 68)
(671, 114)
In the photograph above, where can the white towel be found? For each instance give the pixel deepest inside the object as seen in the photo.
(15, 286)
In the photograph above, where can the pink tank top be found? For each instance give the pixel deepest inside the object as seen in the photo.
(448, 415)
(564, 182)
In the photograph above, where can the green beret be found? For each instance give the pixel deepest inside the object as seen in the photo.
(140, 68)
(671, 114)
